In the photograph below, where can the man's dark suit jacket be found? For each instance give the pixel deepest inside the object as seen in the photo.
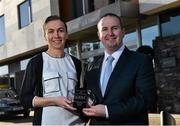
(131, 90)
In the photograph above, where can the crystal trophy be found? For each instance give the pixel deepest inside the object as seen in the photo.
(83, 98)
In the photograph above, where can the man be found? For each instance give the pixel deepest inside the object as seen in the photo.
(130, 91)
(50, 79)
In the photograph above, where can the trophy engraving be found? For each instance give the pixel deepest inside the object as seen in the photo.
(80, 99)
(83, 99)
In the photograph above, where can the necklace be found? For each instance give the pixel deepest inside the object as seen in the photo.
(54, 56)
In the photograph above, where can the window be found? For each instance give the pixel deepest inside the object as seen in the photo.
(88, 6)
(70, 9)
(111, 1)
(149, 34)
(24, 11)
(2, 30)
(169, 23)
(3, 70)
(23, 63)
(100, 3)
(130, 40)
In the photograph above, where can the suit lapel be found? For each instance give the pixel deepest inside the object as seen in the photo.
(122, 61)
(97, 85)
(96, 76)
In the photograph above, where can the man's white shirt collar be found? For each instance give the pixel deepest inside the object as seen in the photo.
(116, 54)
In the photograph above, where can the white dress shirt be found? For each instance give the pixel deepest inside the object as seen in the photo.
(116, 56)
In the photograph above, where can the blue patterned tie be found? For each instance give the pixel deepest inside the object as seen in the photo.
(107, 73)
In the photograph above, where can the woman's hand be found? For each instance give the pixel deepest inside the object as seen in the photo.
(64, 102)
(53, 101)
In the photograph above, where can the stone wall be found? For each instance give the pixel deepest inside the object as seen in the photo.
(167, 72)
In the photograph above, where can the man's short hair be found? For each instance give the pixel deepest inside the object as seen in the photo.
(112, 15)
(53, 18)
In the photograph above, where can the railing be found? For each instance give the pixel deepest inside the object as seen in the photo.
(154, 119)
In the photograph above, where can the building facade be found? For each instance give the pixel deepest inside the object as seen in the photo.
(147, 22)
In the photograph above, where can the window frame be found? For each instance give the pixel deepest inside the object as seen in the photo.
(4, 35)
(29, 14)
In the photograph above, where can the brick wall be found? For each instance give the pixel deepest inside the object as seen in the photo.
(167, 72)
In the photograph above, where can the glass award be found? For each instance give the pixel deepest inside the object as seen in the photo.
(91, 100)
(80, 98)
(83, 98)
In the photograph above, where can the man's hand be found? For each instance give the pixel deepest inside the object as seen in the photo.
(97, 110)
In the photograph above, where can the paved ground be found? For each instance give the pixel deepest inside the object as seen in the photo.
(154, 120)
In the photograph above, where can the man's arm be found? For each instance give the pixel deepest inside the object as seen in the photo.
(143, 100)
(145, 94)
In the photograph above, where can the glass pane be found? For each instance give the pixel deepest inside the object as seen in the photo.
(24, 14)
(149, 34)
(88, 6)
(77, 8)
(2, 30)
(3, 70)
(170, 23)
(73, 51)
(130, 40)
(100, 3)
(87, 47)
(111, 1)
(24, 63)
(171, 27)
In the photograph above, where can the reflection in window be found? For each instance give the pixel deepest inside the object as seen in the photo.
(70, 9)
(111, 1)
(87, 47)
(149, 34)
(90, 46)
(90, 51)
(88, 6)
(4, 70)
(170, 23)
(100, 3)
(72, 50)
(23, 64)
(77, 7)
(130, 40)
(24, 13)
(172, 27)
(2, 30)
